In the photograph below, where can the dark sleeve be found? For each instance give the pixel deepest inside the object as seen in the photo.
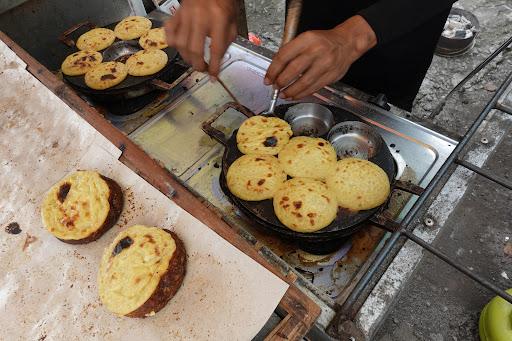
(390, 19)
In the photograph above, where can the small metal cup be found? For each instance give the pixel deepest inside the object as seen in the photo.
(120, 51)
(309, 119)
(354, 139)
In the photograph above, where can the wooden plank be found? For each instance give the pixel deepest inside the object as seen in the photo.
(301, 310)
(297, 321)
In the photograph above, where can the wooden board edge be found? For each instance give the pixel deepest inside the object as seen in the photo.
(298, 319)
(301, 310)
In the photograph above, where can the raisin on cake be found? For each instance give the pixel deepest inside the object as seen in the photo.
(141, 270)
(82, 207)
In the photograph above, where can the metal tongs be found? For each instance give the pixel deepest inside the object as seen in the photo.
(290, 30)
(225, 87)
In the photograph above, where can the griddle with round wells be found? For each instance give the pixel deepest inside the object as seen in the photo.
(117, 50)
(325, 240)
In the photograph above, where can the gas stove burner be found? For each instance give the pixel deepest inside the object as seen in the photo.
(417, 151)
(309, 259)
(128, 109)
(319, 269)
(122, 118)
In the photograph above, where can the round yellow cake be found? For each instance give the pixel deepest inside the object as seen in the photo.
(96, 39)
(359, 184)
(141, 270)
(255, 177)
(81, 207)
(146, 62)
(308, 157)
(153, 39)
(263, 135)
(80, 62)
(106, 75)
(132, 27)
(305, 205)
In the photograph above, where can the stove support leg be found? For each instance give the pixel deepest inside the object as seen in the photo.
(504, 107)
(486, 174)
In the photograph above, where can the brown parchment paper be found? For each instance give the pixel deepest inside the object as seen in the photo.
(48, 288)
(41, 138)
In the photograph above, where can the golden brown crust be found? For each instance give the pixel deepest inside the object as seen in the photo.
(116, 202)
(169, 283)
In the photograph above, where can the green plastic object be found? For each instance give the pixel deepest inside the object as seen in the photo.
(496, 320)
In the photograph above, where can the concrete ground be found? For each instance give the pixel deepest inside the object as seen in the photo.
(437, 303)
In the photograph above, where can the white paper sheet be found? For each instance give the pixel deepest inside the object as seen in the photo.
(48, 288)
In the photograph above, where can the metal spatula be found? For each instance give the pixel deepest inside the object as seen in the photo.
(290, 29)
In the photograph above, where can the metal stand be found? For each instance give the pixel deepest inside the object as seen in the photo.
(398, 230)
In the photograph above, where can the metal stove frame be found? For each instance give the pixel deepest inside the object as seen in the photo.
(346, 308)
(395, 128)
(352, 304)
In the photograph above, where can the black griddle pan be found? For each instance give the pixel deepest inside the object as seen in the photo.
(345, 224)
(131, 83)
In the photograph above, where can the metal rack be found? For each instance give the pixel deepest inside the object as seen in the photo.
(347, 309)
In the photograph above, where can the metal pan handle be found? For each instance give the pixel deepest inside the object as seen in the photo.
(408, 187)
(160, 84)
(214, 132)
(64, 37)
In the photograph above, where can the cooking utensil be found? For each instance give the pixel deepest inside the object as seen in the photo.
(228, 91)
(290, 30)
(455, 46)
(120, 51)
(355, 139)
(309, 119)
(225, 87)
(132, 86)
(323, 241)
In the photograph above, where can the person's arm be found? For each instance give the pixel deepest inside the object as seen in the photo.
(193, 22)
(390, 19)
(317, 58)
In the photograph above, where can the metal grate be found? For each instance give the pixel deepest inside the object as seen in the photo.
(405, 229)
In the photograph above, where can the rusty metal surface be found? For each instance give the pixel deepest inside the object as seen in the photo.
(213, 132)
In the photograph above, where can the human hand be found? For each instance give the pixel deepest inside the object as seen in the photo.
(318, 58)
(196, 19)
